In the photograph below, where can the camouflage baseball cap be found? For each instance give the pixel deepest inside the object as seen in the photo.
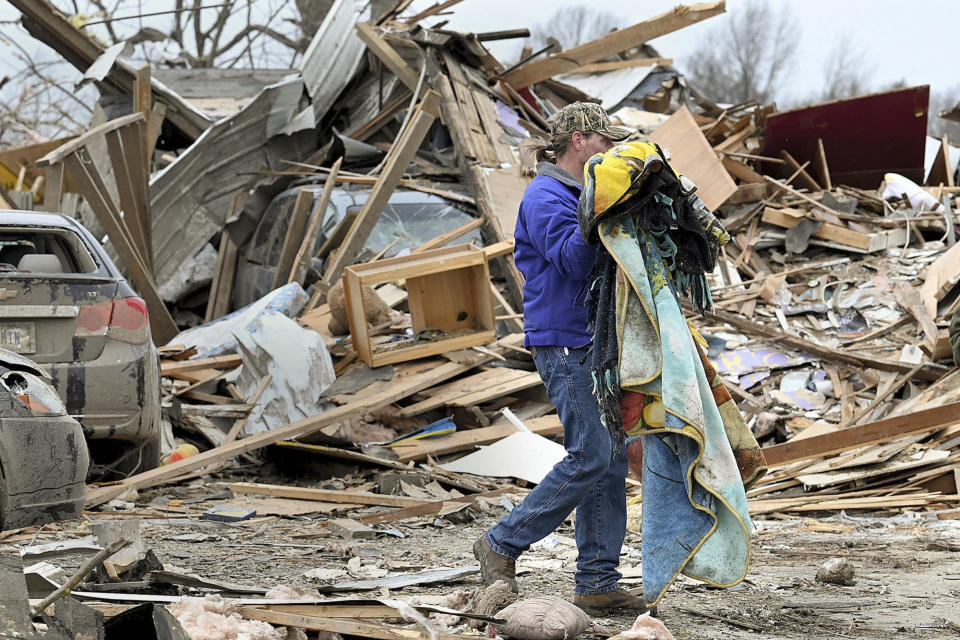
(586, 117)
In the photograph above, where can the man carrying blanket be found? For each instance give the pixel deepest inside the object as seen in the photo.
(557, 262)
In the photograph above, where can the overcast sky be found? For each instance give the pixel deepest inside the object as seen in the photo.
(909, 41)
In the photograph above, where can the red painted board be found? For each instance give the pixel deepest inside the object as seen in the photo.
(863, 137)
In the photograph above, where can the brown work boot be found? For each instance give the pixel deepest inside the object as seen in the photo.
(494, 566)
(616, 599)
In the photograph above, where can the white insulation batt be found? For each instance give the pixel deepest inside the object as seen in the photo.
(298, 362)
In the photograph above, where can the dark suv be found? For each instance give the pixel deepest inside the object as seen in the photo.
(65, 304)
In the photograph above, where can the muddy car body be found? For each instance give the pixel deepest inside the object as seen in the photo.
(43, 455)
(65, 305)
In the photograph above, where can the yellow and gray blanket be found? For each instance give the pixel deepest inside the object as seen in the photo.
(653, 382)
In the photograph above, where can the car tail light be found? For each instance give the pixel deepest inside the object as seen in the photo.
(34, 393)
(125, 319)
(94, 319)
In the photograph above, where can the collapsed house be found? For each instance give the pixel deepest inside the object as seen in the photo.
(328, 263)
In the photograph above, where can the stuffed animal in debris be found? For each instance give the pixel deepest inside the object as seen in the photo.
(377, 311)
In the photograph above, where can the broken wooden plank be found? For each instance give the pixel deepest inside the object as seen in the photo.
(929, 371)
(870, 433)
(846, 238)
(219, 301)
(388, 55)
(324, 495)
(429, 508)
(168, 367)
(822, 166)
(83, 171)
(799, 170)
(446, 238)
(401, 153)
(296, 227)
(407, 381)
(298, 269)
(612, 43)
(939, 278)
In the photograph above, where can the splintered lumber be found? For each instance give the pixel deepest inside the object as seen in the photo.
(848, 238)
(445, 238)
(296, 228)
(482, 387)
(942, 170)
(939, 278)
(601, 67)
(822, 166)
(871, 433)
(409, 380)
(928, 371)
(691, 155)
(613, 43)
(428, 508)
(219, 301)
(388, 55)
(324, 495)
(169, 368)
(463, 440)
(401, 153)
(799, 170)
(342, 626)
(834, 503)
(298, 270)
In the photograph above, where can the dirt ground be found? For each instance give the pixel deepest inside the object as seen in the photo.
(907, 565)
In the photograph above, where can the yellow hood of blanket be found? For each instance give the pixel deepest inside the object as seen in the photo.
(619, 173)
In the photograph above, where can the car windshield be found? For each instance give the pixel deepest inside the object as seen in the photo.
(31, 251)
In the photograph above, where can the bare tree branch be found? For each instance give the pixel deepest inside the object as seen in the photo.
(746, 56)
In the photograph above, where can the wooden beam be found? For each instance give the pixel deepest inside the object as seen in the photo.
(870, 433)
(409, 380)
(219, 301)
(325, 495)
(388, 55)
(800, 170)
(298, 270)
(344, 627)
(613, 43)
(431, 11)
(397, 162)
(602, 67)
(81, 141)
(296, 226)
(84, 172)
(54, 188)
(465, 440)
(126, 159)
(741, 171)
(822, 166)
(446, 238)
(170, 367)
(427, 508)
(929, 371)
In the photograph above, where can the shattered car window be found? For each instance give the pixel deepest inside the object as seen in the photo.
(26, 251)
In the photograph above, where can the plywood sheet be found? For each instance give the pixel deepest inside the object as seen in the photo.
(692, 155)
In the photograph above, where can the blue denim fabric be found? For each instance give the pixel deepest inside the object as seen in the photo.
(590, 478)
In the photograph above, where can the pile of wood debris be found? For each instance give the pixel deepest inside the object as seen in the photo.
(840, 363)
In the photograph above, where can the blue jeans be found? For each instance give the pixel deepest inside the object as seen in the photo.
(589, 479)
